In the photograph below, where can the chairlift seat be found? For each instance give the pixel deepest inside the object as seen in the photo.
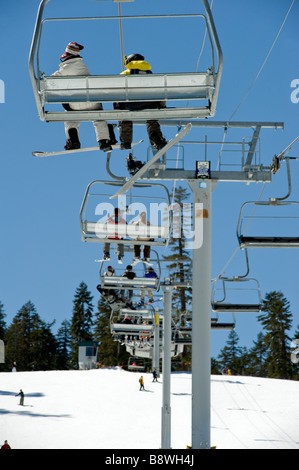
(215, 325)
(136, 367)
(135, 363)
(268, 242)
(223, 326)
(137, 313)
(128, 88)
(132, 329)
(258, 241)
(227, 307)
(136, 283)
(99, 232)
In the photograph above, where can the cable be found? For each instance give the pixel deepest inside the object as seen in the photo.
(236, 110)
(187, 104)
(121, 36)
(238, 247)
(203, 42)
(255, 80)
(264, 63)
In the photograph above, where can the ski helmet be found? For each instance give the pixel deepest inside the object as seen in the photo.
(133, 57)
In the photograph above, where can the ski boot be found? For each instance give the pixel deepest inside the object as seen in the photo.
(73, 142)
(105, 145)
(133, 165)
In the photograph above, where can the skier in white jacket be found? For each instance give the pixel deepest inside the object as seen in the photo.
(72, 64)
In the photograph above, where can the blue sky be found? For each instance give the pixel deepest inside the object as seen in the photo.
(42, 257)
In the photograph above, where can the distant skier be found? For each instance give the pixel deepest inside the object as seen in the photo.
(5, 445)
(155, 376)
(141, 382)
(21, 395)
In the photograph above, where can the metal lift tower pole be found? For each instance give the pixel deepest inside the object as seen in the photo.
(166, 368)
(201, 308)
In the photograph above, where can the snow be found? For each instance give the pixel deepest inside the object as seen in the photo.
(104, 409)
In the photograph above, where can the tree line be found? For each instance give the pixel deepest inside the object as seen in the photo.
(32, 346)
(270, 355)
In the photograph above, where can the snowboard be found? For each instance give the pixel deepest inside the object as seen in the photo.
(156, 157)
(85, 149)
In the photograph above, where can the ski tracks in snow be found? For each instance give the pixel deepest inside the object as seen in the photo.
(246, 419)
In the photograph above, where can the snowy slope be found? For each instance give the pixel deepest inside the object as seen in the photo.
(104, 409)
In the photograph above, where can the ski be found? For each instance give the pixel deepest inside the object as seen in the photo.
(138, 260)
(156, 157)
(85, 149)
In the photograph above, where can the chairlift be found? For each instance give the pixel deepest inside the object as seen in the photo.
(216, 324)
(274, 216)
(241, 287)
(97, 204)
(142, 323)
(268, 241)
(221, 325)
(136, 364)
(201, 87)
(139, 282)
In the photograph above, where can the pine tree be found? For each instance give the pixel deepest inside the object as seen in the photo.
(277, 320)
(63, 340)
(230, 355)
(2, 321)
(30, 341)
(295, 367)
(180, 265)
(2, 331)
(179, 262)
(81, 324)
(110, 352)
(257, 358)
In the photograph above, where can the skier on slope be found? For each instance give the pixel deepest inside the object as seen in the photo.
(72, 64)
(5, 445)
(141, 382)
(21, 395)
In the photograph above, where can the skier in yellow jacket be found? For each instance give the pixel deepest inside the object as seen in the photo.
(135, 64)
(141, 382)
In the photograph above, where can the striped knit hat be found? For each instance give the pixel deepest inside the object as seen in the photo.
(73, 48)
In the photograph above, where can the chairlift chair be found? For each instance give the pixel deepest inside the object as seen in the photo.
(281, 239)
(201, 87)
(132, 329)
(267, 241)
(223, 305)
(139, 282)
(216, 324)
(99, 231)
(136, 364)
(221, 325)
